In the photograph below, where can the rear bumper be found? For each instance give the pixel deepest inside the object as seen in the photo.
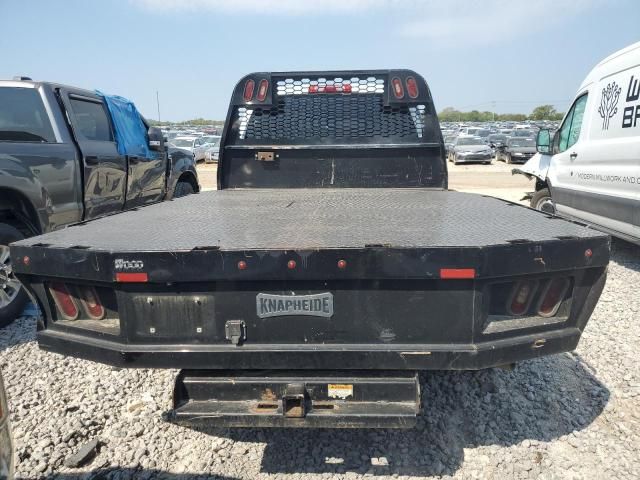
(311, 357)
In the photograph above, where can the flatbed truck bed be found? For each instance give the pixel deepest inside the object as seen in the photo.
(316, 304)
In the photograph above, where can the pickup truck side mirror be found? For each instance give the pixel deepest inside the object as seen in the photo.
(156, 139)
(543, 141)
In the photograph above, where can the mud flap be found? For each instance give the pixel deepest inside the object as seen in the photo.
(335, 399)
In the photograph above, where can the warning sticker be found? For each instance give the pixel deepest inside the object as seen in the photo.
(339, 391)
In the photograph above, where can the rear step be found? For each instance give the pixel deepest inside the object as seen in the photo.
(268, 398)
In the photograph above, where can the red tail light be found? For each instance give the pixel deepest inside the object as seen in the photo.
(552, 296)
(249, 87)
(398, 89)
(521, 297)
(91, 303)
(66, 304)
(412, 87)
(263, 87)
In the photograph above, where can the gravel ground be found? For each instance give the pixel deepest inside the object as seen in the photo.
(567, 416)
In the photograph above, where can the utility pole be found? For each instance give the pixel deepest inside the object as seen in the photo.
(493, 110)
(158, 103)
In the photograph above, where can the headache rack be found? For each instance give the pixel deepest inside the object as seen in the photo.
(332, 129)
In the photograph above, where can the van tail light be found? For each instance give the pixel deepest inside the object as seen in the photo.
(67, 305)
(398, 89)
(91, 302)
(263, 87)
(249, 87)
(521, 296)
(552, 296)
(412, 87)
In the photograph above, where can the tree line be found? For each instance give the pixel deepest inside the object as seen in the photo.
(542, 112)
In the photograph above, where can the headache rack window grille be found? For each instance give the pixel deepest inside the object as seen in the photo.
(290, 86)
(340, 116)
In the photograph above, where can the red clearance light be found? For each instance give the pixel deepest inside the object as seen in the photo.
(552, 296)
(263, 87)
(398, 90)
(330, 89)
(412, 87)
(91, 303)
(249, 87)
(346, 88)
(457, 273)
(342, 264)
(291, 264)
(521, 297)
(138, 277)
(242, 265)
(64, 301)
(313, 88)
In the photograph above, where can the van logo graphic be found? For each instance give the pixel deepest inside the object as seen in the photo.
(318, 305)
(609, 103)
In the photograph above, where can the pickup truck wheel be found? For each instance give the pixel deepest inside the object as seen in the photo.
(541, 200)
(13, 297)
(183, 188)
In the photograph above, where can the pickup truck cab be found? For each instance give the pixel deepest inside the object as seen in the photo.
(63, 160)
(329, 268)
(590, 169)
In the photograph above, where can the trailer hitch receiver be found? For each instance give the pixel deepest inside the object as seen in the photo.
(293, 401)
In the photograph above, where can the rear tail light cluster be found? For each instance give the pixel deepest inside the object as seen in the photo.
(541, 297)
(410, 83)
(84, 302)
(537, 297)
(250, 90)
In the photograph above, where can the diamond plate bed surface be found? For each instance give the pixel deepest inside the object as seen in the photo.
(315, 219)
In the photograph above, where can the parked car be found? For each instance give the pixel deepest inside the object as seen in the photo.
(448, 143)
(588, 170)
(65, 158)
(516, 150)
(212, 150)
(183, 142)
(6, 439)
(466, 149)
(496, 140)
(195, 144)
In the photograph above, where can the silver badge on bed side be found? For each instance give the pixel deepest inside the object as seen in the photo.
(121, 264)
(317, 305)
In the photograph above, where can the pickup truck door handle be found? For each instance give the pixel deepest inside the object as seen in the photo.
(573, 155)
(91, 160)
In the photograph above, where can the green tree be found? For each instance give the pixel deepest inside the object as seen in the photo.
(543, 112)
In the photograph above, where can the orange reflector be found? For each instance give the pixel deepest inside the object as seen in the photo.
(138, 277)
(457, 273)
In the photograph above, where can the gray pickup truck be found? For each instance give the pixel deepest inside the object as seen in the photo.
(62, 162)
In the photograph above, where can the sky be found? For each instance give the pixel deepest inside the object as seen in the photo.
(500, 55)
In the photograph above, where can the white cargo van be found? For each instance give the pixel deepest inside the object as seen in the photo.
(590, 169)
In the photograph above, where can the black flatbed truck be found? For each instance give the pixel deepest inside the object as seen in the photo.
(329, 268)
